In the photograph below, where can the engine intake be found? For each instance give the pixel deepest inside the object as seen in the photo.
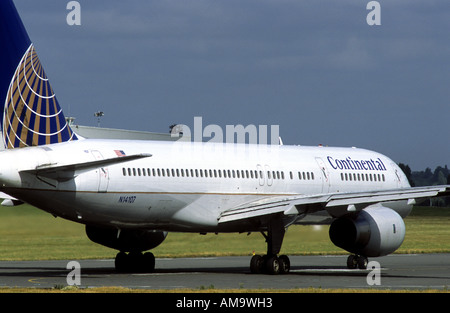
(126, 240)
(375, 231)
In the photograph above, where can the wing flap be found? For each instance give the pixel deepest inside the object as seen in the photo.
(288, 205)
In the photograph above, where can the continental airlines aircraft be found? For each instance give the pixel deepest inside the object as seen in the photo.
(130, 194)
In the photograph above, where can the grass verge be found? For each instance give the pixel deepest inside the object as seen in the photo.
(27, 233)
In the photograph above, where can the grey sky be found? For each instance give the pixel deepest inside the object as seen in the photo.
(313, 67)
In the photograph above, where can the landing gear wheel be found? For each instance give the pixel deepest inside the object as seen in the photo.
(352, 261)
(285, 264)
(121, 262)
(362, 262)
(357, 261)
(270, 264)
(149, 262)
(273, 265)
(256, 264)
(135, 262)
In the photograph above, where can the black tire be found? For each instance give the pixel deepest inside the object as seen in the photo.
(256, 264)
(148, 262)
(362, 263)
(273, 265)
(352, 262)
(285, 264)
(121, 262)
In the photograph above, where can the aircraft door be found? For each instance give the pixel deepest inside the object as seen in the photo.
(103, 174)
(325, 175)
(397, 178)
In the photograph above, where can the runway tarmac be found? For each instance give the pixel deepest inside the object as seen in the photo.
(421, 271)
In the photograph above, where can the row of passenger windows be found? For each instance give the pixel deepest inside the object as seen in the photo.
(362, 177)
(249, 174)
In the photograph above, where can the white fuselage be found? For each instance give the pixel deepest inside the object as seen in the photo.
(185, 186)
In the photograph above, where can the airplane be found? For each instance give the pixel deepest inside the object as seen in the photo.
(130, 194)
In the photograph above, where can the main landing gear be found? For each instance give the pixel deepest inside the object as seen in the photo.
(135, 262)
(271, 263)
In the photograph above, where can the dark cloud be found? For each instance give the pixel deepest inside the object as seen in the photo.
(315, 68)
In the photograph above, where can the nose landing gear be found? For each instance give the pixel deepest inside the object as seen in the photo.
(357, 261)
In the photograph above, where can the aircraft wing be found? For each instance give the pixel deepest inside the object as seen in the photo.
(68, 171)
(337, 204)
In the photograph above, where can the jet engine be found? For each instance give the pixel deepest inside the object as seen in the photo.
(126, 240)
(372, 232)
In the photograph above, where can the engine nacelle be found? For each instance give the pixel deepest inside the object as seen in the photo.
(126, 240)
(375, 231)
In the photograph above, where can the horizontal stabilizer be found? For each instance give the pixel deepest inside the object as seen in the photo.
(69, 171)
(8, 200)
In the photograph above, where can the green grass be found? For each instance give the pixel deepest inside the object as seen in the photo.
(427, 231)
(27, 233)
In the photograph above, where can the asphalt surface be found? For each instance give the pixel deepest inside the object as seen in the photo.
(421, 271)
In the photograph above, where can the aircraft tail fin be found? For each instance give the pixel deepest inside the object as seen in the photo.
(31, 113)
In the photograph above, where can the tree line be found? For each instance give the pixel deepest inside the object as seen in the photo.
(440, 176)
